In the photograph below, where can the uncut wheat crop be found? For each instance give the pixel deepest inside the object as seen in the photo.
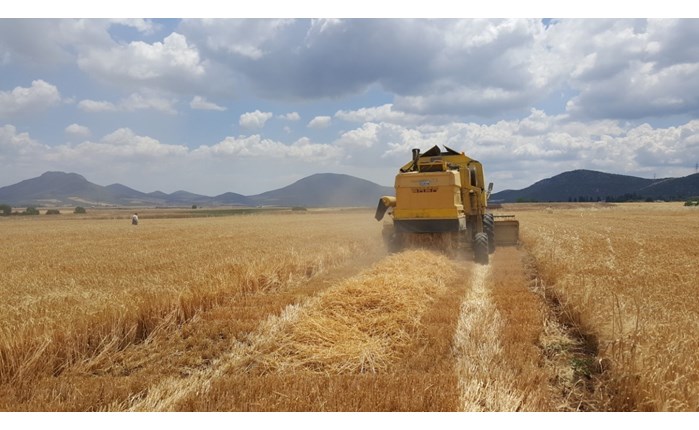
(73, 290)
(627, 276)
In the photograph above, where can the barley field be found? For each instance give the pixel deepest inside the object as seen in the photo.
(285, 311)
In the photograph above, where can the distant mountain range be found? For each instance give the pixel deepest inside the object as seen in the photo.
(589, 185)
(335, 190)
(71, 189)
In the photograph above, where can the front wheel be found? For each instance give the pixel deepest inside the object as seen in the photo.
(480, 248)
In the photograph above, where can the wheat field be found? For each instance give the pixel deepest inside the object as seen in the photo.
(75, 291)
(627, 277)
(285, 311)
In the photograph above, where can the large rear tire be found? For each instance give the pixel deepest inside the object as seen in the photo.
(480, 248)
(489, 229)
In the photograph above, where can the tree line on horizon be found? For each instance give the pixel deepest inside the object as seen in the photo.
(623, 198)
(6, 210)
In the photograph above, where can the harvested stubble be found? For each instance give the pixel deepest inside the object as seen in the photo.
(375, 342)
(365, 323)
(626, 275)
(496, 342)
(76, 290)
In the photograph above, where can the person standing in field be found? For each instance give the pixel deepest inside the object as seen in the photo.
(134, 219)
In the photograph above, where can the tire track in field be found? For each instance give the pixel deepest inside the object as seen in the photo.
(478, 348)
(485, 379)
(500, 341)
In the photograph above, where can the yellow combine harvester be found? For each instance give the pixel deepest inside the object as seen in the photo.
(443, 194)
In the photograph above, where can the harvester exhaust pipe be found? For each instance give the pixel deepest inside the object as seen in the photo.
(416, 156)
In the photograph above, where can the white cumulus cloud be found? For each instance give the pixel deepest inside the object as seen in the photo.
(200, 103)
(254, 120)
(171, 64)
(97, 106)
(78, 130)
(255, 146)
(521, 151)
(134, 102)
(40, 96)
(144, 26)
(365, 136)
(122, 144)
(320, 122)
(383, 113)
(17, 144)
(138, 101)
(291, 116)
(20, 155)
(628, 68)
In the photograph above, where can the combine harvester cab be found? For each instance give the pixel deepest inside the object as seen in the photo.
(442, 196)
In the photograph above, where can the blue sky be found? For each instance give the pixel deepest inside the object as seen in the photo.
(247, 105)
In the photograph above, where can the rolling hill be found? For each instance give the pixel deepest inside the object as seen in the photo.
(53, 188)
(673, 188)
(71, 189)
(325, 190)
(589, 185)
(336, 190)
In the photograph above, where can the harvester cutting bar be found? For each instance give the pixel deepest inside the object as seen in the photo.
(506, 230)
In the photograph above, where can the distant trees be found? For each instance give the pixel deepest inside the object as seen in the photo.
(628, 197)
(585, 199)
(6, 210)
